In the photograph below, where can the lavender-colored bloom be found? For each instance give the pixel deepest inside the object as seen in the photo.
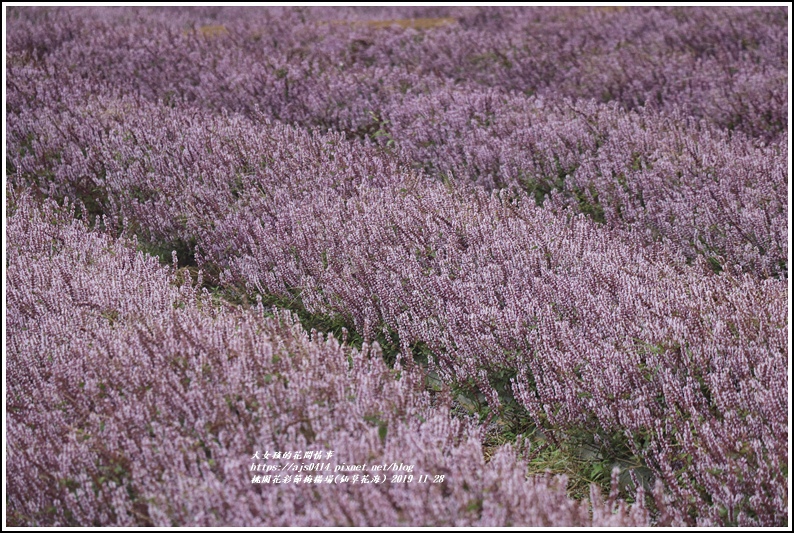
(135, 399)
(582, 210)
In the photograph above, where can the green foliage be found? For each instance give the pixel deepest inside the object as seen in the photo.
(185, 251)
(381, 130)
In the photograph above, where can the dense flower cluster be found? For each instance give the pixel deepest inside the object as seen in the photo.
(662, 178)
(660, 172)
(611, 335)
(667, 177)
(334, 67)
(135, 400)
(582, 212)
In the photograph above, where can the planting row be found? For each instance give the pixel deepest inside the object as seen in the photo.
(662, 174)
(444, 218)
(136, 399)
(665, 177)
(335, 68)
(653, 177)
(601, 332)
(684, 368)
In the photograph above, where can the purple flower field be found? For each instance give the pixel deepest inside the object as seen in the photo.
(397, 266)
